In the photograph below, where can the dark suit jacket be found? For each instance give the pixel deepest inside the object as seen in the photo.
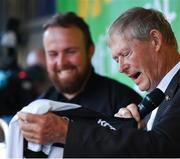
(163, 140)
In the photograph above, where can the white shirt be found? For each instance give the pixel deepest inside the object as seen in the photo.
(163, 86)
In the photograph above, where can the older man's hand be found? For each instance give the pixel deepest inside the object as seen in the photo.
(131, 111)
(43, 129)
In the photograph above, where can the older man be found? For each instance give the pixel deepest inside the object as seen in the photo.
(143, 44)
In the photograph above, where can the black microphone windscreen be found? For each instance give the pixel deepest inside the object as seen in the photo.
(150, 102)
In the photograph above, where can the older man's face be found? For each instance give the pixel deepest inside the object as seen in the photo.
(137, 59)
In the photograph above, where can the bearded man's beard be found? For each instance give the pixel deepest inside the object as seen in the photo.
(71, 86)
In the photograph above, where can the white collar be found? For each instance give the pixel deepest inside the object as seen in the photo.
(168, 77)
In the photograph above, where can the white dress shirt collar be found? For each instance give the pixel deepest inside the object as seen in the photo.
(168, 77)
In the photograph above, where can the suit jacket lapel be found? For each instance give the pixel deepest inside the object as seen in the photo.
(170, 92)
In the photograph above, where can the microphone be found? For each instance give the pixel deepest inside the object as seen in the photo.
(150, 102)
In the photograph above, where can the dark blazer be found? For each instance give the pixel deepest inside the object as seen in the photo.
(163, 140)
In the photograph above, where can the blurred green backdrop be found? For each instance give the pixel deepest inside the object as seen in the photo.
(99, 14)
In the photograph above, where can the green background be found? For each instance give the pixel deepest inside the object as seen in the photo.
(99, 14)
